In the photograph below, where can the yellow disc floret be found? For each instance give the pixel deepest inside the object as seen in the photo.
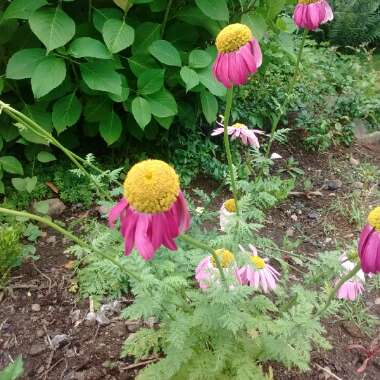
(240, 126)
(258, 262)
(233, 37)
(307, 1)
(225, 257)
(230, 205)
(151, 186)
(374, 218)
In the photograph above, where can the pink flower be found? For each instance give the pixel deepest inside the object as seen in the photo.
(153, 211)
(258, 273)
(310, 14)
(239, 55)
(207, 272)
(350, 290)
(369, 243)
(241, 131)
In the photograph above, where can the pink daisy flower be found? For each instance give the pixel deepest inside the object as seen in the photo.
(369, 243)
(310, 14)
(241, 131)
(226, 214)
(239, 55)
(207, 272)
(153, 211)
(258, 273)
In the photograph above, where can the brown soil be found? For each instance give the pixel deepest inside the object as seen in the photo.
(92, 352)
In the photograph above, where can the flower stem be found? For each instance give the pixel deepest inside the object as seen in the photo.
(227, 113)
(205, 247)
(166, 17)
(333, 292)
(288, 93)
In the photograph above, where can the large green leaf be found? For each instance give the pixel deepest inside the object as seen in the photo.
(124, 91)
(140, 63)
(23, 8)
(52, 26)
(198, 59)
(88, 47)
(100, 75)
(66, 112)
(215, 9)
(8, 29)
(117, 35)
(49, 74)
(45, 157)
(22, 64)
(122, 4)
(209, 106)
(256, 23)
(96, 107)
(150, 81)
(102, 15)
(110, 127)
(141, 111)
(165, 52)
(190, 77)
(146, 34)
(162, 104)
(207, 79)
(11, 165)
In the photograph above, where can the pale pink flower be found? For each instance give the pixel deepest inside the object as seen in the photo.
(153, 211)
(226, 214)
(258, 273)
(239, 55)
(310, 14)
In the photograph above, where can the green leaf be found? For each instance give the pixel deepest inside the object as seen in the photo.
(198, 59)
(117, 35)
(30, 184)
(2, 191)
(15, 369)
(146, 34)
(141, 111)
(122, 4)
(100, 75)
(256, 23)
(22, 64)
(124, 91)
(1, 143)
(42, 207)
(208, 80)
(215, 9)
(44, 157)
(88, 47)
(193, 16)
(150, 81)
(274, 8)
(11, 165)
(110, 127)
(102, 15)
(140, 63)
(49, 74)
(209, 106)
(96, 107)
(66, 112)
(8, 29)
(53, 27)
(23, 8)
(165, 52)
(162, 104)
(165, 122)
(190, 77)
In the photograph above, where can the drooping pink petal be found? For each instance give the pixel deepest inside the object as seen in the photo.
(116, 211)
(257, 53)
(217, 131)
(329, 16)
(143, 243)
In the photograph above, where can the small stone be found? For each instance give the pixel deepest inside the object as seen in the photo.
(112, 307)
(334, 184)
(328, 240)
(354, 161)
(119, 329)
(313, 215)
(377, 301)
(294, 217)
(102, 319)
(133, 326)
(36, 307)
(290, 232)
(59, 340)
(90, 319)
(151, 322)
(37, 349)
(55, 206)
(52, 240)
(75, 316)
(358, 185)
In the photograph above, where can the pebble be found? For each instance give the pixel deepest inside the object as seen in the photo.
(313, 215)
(354, 161)
(36, 349)
(119, 329)
(334, 184)
(55, 206)
(290, 232)
(52, 240)
(133, 326)
(59, 340)
(377, 301)
(294, 217)
(36, 307)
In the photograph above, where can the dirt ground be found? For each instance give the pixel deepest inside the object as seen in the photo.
(43, 321)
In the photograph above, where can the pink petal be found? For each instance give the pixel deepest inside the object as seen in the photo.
(257, 53)
(116, 211)
(217, 131)
(143, 245)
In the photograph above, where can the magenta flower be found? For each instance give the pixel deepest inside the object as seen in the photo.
(153, 211)
(369, 243)
(207, 272)
(350, 290)
(241, 131)
(239, 55)
(258, 273)
(310, 14)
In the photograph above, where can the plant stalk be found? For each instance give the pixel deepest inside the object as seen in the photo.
(227, 113)
(166, 17)
(289, 91)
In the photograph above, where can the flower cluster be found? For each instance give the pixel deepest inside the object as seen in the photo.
(311, 14)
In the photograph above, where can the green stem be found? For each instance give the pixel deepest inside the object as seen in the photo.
(288, 93)
(206, 248)
(166, 17)
(227, 113)
(333, 292)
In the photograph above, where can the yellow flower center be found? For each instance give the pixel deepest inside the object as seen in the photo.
(230, 205)
(374, 218)
(151, 186)
(258, 262)
(233, 37)
(240, 126)
(307, 1)
(225, 257)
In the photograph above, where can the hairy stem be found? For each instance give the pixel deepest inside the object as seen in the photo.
(227, 113)
(288, 94)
